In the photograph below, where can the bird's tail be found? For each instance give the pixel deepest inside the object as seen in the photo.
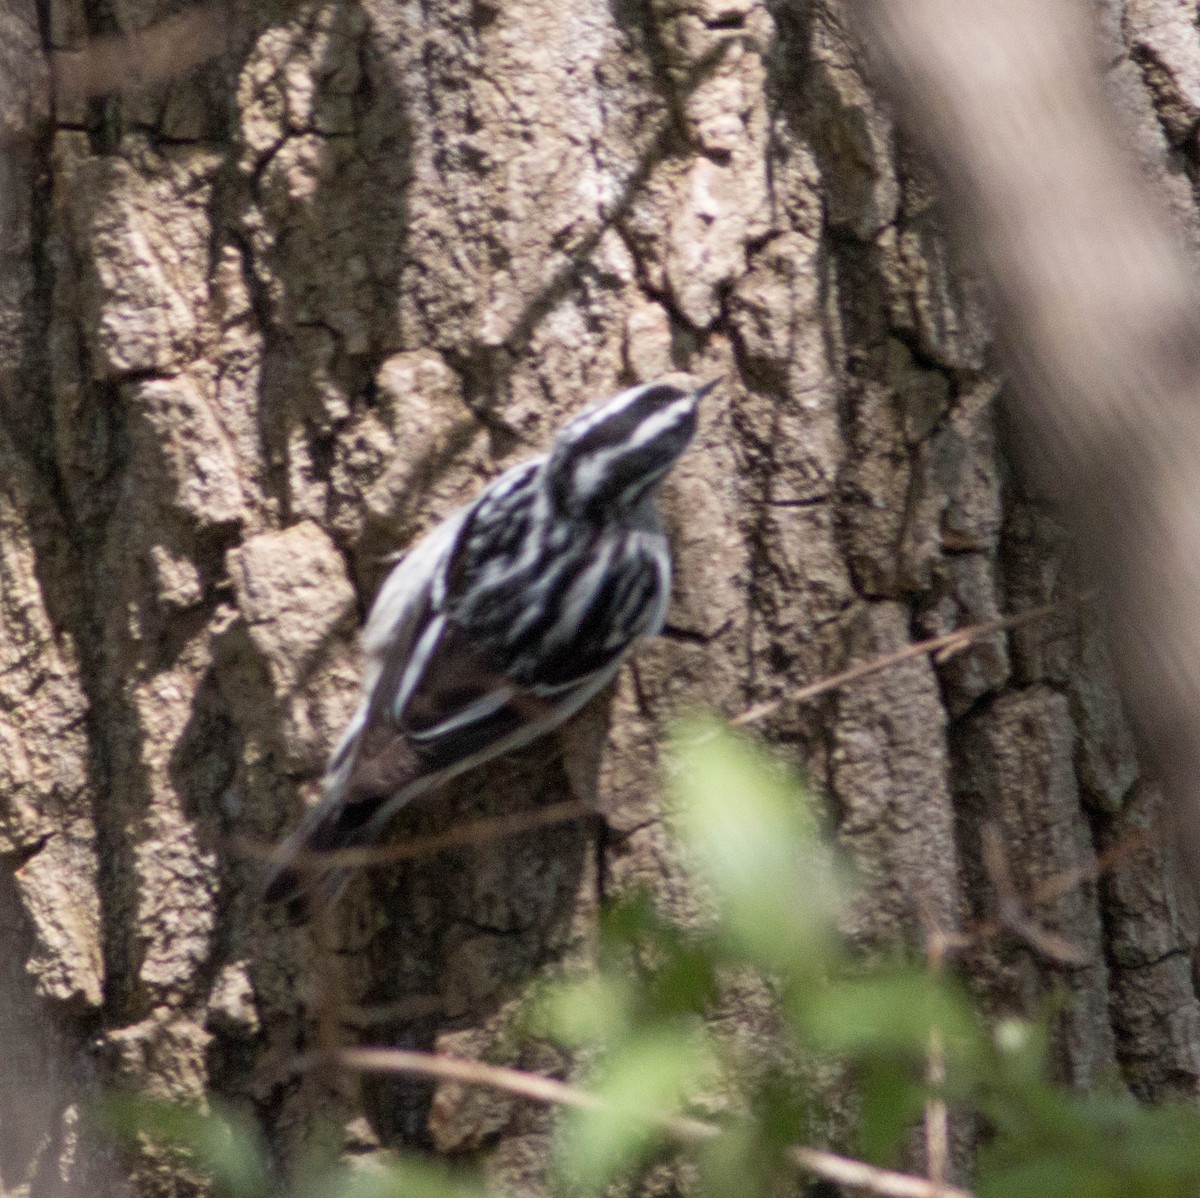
(299, 877)
(372, 773)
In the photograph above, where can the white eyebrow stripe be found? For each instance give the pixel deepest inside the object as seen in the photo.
(589, 420)
(648, 429)
(591, 470)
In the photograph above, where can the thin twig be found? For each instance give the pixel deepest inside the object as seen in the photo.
(937, 1121)
(157, 53)
(498, 827)
(858, 1175)
(464, 836)
(1066, 880)
(329, 981)
(1012, 911)
(828, 1165)
(938, 943)
(943, 646)
(1044, 892)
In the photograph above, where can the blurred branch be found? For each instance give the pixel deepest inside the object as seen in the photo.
(159, 52)
(1015, 910)
(941, 647)
(482, 831)
(479, 831)
(1096, 310)
(828, 1165)
(937, 1118)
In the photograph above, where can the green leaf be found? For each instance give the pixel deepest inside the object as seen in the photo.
(665, 971)
(1048, 1176)
(892, 1098)
(645, 1080)
(402, 1178)
(222, 1146)
(889, 1013)
(584, 1009)
(748, 830)
(629, 921)
(735, 1163)
(1163, 1147)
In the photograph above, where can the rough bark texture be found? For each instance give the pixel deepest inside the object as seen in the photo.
(265, 324)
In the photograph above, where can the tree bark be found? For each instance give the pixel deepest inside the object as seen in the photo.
(263, 324)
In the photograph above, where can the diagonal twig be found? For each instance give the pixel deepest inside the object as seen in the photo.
(485, 830)
(942, 647)
(840, 1170)
(1041, 893)
(1012, 912)
(463, 836)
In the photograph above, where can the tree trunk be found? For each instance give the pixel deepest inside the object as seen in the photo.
(263, 324)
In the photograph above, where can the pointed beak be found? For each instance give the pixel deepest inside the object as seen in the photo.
(701, 392)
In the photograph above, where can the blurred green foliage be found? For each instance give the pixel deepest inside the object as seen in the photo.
(219, 1145)
(647, 1020)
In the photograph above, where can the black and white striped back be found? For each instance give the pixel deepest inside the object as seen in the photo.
(565, 596)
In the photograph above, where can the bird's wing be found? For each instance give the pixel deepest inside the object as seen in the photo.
(434, 712)
(410, 593)
(464, 708)
(371, 760)
(593, 617)
(438, 702)
(461, 704)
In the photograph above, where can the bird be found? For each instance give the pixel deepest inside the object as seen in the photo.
(503, 621)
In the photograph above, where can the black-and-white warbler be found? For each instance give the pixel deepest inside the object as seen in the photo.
(507, 618)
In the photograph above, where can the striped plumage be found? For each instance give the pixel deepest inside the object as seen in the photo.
(507, 618)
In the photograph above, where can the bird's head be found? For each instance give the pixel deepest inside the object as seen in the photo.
(611, 456)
